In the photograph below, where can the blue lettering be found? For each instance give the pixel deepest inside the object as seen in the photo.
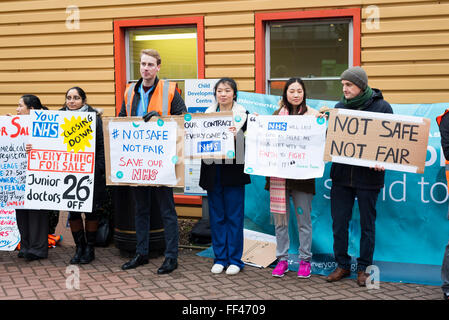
(209, 146)
(45, 129)
(279, 126)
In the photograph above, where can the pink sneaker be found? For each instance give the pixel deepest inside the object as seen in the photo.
(304, 269)
(281, 269)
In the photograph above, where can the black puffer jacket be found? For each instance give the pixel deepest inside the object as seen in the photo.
(356, 176)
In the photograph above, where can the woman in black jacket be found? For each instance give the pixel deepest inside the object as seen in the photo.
(225, 185)
(33, 224)
(75, 100)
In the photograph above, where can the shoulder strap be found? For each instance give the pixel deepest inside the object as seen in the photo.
(129, 96)
(165, 97)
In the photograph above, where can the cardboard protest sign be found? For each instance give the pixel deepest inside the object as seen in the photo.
(207, 135)
(259, 249)
(285, 146)
(61, 163)
(14, 134)
(396, 142)
(144, 153)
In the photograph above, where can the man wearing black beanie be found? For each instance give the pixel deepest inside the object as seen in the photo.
(349, 182)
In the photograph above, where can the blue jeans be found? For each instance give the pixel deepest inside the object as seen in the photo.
(226, 214)
(342, 202)
(166, 204)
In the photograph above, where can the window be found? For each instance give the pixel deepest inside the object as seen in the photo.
(315, 45)
(316, 51)
(180, 42)
(177, 64)
(167, 35)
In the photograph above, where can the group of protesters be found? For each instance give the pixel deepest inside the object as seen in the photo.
(225, 183)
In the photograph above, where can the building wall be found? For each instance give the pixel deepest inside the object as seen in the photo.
(407, 56)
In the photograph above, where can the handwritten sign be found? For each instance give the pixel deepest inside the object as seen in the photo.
(285, 146)
(62, 162)
(396, 142)
(143, 153)
(14, 133)
(207, 135)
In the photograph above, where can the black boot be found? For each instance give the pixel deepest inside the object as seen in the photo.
(89, 253)
(80, 242)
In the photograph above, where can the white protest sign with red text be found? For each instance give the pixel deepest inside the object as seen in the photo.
(62, 161)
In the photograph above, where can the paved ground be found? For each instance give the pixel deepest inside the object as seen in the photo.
(50, 279)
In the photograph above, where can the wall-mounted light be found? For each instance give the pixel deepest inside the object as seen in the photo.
(166, 36)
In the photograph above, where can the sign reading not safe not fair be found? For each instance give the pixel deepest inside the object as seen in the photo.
(288, 147)
(61, 163)
(143, 152)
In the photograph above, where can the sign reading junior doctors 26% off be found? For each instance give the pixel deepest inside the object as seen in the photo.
(61, 163)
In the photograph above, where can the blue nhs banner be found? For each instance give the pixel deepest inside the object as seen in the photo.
(46, 125)
(209, 146)
(412, 226)
(279, 126)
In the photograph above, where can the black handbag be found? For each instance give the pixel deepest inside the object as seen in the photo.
(104, 232)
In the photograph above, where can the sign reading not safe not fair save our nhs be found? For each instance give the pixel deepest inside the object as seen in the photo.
(413, 207)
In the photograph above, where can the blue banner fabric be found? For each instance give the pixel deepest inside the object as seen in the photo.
(412, 228)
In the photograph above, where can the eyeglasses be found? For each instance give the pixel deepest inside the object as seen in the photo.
(69, 98)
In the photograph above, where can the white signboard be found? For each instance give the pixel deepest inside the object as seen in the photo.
(285, 146)
(207, 135)
(143, 152)
(199, 94)
(192, 178)
(62, 161)
(14, 134)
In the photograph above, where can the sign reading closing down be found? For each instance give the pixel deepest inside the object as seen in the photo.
(396, 142)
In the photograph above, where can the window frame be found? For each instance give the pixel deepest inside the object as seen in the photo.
(120, 27)
(261, 36)
(120, 47)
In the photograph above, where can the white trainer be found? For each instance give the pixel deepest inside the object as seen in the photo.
(217, 268)
(232, 269)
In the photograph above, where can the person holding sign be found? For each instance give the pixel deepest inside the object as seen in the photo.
(146, 98)
(443, 125)
(84, 237)
(225, 185)
(293, 102)
(33, 224)
(349, 182)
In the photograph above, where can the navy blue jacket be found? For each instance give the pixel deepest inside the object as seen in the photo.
(356, 176)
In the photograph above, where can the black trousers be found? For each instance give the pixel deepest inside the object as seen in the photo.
(342, 203)
(33, 228)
